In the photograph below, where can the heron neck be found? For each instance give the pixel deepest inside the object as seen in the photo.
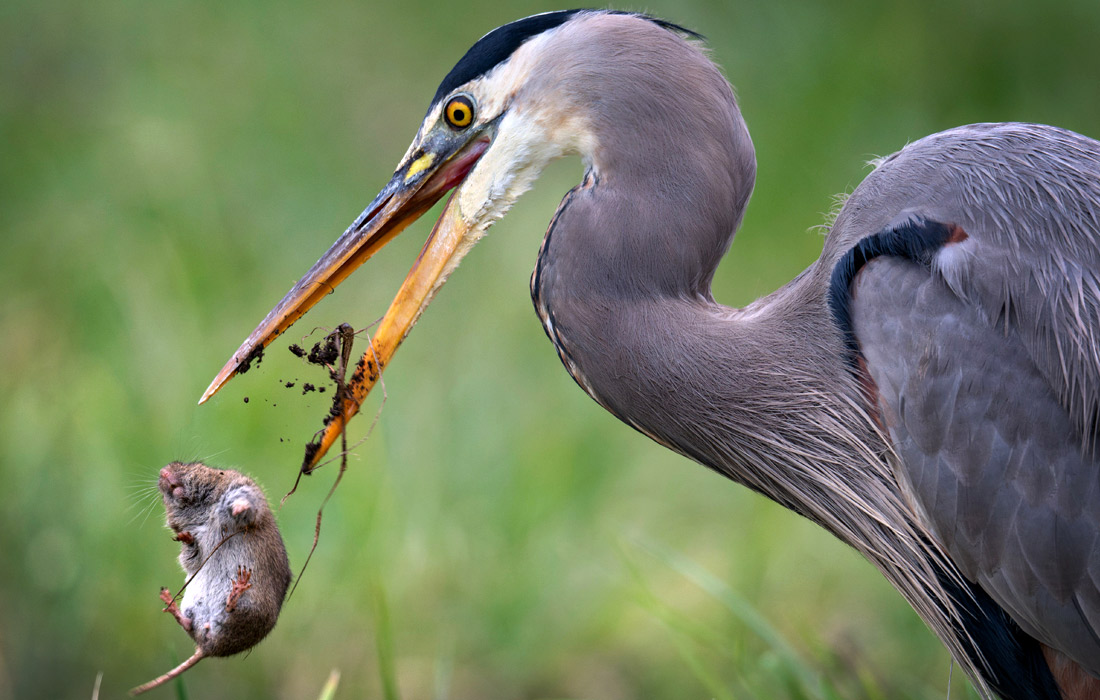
(759, 395)
(623, 278)
(722, 386)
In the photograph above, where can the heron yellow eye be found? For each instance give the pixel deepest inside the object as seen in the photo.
(459, 112)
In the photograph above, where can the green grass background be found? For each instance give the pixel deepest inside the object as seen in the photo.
(169, 168)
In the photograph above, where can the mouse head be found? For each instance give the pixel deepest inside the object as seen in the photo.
(195, 494)
(190, 490)
(189, 484)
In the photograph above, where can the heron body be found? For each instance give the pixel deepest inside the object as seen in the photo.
(928, 390)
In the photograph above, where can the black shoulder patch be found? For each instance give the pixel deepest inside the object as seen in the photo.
(916, 240)
(498, 45)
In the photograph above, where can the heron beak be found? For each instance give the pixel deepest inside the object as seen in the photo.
(448, 242)
(425, 176)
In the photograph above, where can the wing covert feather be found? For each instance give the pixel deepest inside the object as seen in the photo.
(993, 456)
(1027, 197)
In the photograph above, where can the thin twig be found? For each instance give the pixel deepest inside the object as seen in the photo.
(346, 336)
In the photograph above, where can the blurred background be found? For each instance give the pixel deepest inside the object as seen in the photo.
(170, 168)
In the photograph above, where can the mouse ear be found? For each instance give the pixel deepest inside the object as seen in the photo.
(240, 506)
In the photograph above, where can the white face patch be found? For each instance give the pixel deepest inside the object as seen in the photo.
(530, 134)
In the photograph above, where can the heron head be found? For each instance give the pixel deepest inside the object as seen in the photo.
(519, 98)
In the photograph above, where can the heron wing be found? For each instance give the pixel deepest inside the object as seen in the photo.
(984, 350)
(990, 449)
(1026, 201)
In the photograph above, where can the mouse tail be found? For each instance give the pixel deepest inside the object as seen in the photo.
(195, 658)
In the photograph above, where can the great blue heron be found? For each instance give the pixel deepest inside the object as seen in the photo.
(928, 390)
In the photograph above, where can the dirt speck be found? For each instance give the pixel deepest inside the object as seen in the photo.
(297, 350)
(246, 399)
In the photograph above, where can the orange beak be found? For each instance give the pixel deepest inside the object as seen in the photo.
(421, 181)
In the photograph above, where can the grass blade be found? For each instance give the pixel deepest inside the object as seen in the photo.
(383, 634)
(808, 680)
(328, 691)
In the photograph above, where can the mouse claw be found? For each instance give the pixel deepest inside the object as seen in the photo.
(240, 585)
(174, 610)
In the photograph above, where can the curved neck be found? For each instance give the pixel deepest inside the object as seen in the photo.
(761, 394)
(756, 393)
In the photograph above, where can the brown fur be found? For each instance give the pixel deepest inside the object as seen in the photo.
(1075, 682)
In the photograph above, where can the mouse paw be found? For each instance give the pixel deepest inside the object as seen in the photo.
(184, 537)
(240, 585)
(174, 610)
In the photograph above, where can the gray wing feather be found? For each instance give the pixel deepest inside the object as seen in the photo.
(989, 452)
(988, 365)
(1028, 197)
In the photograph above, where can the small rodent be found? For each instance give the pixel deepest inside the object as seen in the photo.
(234, 556)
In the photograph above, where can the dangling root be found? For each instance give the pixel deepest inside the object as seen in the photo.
(195, 658)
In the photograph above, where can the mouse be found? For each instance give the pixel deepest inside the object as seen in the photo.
(234, 556)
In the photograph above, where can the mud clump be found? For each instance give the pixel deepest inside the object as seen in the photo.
(311, 449)
(325, 352)
(256, 356)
